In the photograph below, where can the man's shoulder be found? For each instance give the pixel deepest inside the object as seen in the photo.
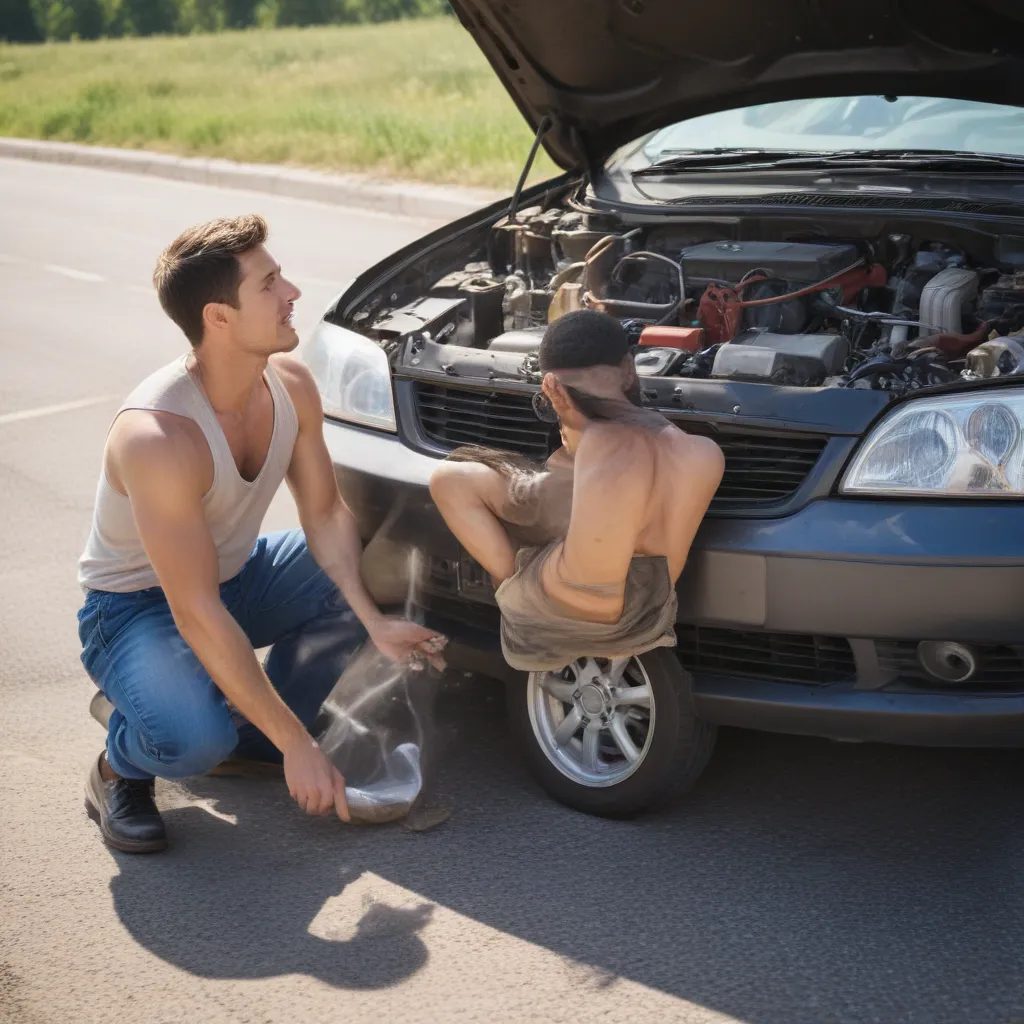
(618, 450)
(299, 382)
(294, 373)
(156, 441)
(635, 445)
(698, 447)
(153, 429)
(616, 439)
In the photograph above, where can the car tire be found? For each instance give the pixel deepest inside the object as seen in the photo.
(671, 752)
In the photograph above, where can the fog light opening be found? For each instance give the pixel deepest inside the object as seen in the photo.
(948, 661)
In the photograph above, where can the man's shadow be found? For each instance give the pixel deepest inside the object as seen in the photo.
(234, 901)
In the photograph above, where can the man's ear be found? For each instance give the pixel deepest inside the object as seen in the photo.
(557, 395)
(215, 316)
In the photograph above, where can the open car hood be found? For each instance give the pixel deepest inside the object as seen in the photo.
(608, 71)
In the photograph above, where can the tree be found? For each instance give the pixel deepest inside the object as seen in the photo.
(18, 23)
(239, 13)
(151, 17)
(308, 12)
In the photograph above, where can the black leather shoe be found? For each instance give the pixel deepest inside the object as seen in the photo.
(125, 812)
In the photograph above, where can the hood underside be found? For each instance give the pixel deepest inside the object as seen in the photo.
(609, 71)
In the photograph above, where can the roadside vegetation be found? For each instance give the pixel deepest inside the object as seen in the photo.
(408, 98)
(30, 21)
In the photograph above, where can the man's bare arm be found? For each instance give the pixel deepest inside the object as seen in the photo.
(159, 466)
(330, 528)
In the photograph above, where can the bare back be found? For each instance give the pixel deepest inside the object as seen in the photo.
(640, 488)
(686, 473)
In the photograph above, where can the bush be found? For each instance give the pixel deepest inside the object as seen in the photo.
(69, 19)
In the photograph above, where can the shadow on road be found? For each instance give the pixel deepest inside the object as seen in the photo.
(236, 901)
(803, 882)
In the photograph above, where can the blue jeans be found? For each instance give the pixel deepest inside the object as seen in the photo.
(169, 718)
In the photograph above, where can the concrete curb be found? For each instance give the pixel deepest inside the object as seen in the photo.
(410, 199)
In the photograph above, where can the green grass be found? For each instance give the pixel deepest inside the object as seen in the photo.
(412, 99)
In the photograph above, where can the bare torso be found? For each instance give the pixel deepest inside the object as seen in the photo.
(675, 505)
(635, 486)
(683, 473)
(638, 487)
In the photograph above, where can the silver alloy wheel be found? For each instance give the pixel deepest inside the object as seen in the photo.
(594, 720)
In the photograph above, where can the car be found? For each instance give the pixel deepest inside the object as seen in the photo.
(810, 220)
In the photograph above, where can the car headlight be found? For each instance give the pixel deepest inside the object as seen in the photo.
(353, 376)
(956, 445)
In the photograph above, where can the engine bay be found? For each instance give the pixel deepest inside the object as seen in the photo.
(894, 311)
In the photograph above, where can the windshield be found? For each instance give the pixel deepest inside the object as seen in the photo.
(847, 122)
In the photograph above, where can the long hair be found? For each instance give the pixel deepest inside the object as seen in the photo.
(521, 473)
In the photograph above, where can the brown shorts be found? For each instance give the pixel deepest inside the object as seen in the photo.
(536, 636)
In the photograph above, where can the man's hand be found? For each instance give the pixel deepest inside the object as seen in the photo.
(404, 641)
(314, 783)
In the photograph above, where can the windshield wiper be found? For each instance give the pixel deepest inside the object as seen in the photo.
(878, 159)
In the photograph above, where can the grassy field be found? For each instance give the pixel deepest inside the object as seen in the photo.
(412, 99)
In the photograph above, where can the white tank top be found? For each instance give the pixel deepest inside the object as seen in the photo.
(114, 558)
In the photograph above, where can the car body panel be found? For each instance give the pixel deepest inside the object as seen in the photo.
(864, 571)
(637, 65)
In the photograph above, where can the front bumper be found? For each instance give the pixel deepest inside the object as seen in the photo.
(874, 576)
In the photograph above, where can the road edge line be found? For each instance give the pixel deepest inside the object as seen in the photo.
(409, 199)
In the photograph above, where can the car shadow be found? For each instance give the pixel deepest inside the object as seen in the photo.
(803, 881)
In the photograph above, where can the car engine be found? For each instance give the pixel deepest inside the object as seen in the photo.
(894, 312)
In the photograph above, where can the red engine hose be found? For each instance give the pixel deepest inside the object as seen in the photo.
(772, 299)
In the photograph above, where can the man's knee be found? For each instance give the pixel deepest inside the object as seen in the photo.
(447, 480)
(190, 746)
(454, 484)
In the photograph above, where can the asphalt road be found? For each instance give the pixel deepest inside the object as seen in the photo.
(803, 881)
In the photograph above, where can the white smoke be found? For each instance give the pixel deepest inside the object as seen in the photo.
(372, 726)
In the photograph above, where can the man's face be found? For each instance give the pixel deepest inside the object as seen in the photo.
(262, 324)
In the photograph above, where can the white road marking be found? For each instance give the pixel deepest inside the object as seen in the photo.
(49, 410)
(87, 275)
(78, 275)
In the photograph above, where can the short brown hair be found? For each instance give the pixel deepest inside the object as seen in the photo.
(201, 266)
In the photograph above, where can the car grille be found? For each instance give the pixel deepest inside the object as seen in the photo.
(760, 469)
(494, 419)
(1002, 668)
(783, 657)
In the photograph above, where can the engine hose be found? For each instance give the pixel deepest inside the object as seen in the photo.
(664, 312)
(598, 248)
(808, 290)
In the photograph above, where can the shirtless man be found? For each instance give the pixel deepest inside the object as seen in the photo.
(639, 487)
(179, 586)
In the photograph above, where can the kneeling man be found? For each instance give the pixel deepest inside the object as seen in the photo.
(179, 585)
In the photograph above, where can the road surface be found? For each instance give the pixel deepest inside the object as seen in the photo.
(803, 883)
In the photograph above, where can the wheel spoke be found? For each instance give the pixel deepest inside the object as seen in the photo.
(616, 668)
(590, 738)
(558, 688)
(567, 727)
(623, 740)
(636, 695)
(586, 669)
